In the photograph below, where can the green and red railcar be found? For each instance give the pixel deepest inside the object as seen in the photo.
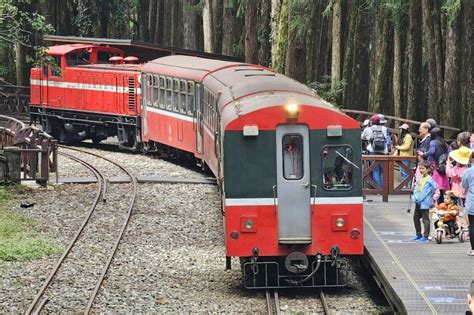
(288, 163)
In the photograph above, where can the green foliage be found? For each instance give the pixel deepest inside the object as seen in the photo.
(326, 92)
(17, 234)
(398, 10)
(195, 9)
(83, 19)
(301, 12)
(451, 8)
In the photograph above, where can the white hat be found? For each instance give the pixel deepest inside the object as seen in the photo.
(382, 119)
(404, 126)
(366, 123)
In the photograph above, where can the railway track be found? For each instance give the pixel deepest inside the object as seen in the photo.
(100, 234)
(319, 301)
(273, 303)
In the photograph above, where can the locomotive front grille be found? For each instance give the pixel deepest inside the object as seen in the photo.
(131, 94)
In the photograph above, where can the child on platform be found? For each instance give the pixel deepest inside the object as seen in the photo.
(423, 197)
(451, 211)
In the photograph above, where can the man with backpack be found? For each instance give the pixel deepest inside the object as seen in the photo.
(377, 146)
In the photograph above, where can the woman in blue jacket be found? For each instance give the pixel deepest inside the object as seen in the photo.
(423, 198)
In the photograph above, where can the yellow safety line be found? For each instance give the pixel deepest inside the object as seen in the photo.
(402, 267)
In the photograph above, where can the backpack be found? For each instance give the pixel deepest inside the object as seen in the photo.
(378, 139)
(442, 160)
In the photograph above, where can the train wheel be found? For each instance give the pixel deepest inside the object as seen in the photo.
(439, 237)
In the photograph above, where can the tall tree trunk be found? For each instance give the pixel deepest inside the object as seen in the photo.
(436, 16)
(430, 49)
(296, 58)
(167, 5)
(159, 20)
(251, 51)
(397, 72)
(142, 21)
(189, 24)
(380, 58)
(468, 66)
(336, 43)
(228, 37)
(264, 33)
(21, 68)
(280, 56)
(415, 91)
(152, 7)
(207, 26)
(449, 107)
(275, 24)
(64, 18)
(217, 17)
(176, 20)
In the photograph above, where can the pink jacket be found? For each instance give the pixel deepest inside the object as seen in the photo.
(455, 173)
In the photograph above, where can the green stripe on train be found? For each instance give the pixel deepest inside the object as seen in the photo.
(250, 163)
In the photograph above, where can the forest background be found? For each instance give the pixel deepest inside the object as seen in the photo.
(408, 58)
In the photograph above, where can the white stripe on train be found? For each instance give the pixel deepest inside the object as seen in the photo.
(271, 201)
(85, 86)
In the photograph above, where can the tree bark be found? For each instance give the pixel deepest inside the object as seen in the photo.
(167, 4)
(176, 29)
(415, 92)
(264, 33)
(142, 21)
(449, 107)
(380, 58)
(152, 7)
(280, 56)
(436, 16)
(467, 60)
(275, 23)
(251, 51)
(296, 58)
(430, 49)
(336, 43)
(207, 26)
(189, 25)
(158, 38)
(228, 37)
(397, 72)
(218, 16)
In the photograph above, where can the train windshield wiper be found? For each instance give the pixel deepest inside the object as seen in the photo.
(347, 160)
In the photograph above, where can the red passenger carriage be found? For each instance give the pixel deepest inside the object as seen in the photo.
(288, 163)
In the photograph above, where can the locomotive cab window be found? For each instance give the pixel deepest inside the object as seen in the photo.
(292, 156)
(56, 66)
(337, 167)
(78, 58)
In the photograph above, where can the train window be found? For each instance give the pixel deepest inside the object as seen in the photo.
(168, 95)
(162, 92)
(56, 66)
(45, 70)
(190, 98)
(292, 156)
(175, 95)
(156, 91)
(78, 58)
(337, 167)
(149, 86)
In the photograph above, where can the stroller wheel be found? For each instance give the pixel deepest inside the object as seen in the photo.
(439, 237)
(463, 236)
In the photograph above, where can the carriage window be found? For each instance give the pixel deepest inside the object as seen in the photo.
(169, 91)
(56, 66)
(292, 157)
(155, 91)
(190, 98)
(182, 96)
(149, 85)
(337, 167)
(175, 95)
(79, 58)
(162, 92)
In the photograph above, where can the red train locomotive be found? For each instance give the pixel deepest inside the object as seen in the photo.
(288, 163)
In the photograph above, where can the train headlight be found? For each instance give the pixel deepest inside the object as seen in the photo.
(292, 111)
(248, 224)
(340, 222)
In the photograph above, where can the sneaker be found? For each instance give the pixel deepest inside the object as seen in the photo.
(423, 240)
(415, 238)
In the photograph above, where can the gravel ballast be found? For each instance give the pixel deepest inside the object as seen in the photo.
(172, 256)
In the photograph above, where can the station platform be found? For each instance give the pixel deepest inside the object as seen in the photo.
(417, 278)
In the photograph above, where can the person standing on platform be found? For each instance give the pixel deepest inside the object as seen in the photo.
(423, 198)
(437, 156)
(424, 131)
(404, 147)
(468, 185)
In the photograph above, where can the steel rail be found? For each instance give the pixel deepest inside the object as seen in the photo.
(100, 178)
(273, 306)
(324, 302)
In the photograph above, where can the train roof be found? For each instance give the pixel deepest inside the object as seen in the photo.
(231, 80)
(65, 49)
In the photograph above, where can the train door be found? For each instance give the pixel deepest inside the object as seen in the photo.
(293, 185)
(198, 125)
